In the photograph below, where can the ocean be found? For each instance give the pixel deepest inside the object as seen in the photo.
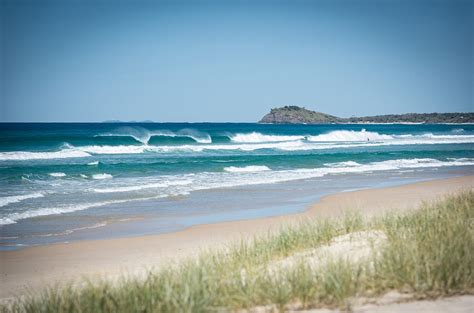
(61, 182)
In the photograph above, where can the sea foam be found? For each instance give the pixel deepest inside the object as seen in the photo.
(238, 176)
(349, 135)
(251, 142)
(163, 184)
(256, 137)
(28, 155)
(14, 199)
(246, 169)
(59, 174)
(102, 176)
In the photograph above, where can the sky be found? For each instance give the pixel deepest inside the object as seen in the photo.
(231, 61)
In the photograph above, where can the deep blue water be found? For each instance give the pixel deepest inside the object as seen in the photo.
(58, 171)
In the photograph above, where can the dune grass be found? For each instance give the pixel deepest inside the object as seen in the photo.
(429, 253)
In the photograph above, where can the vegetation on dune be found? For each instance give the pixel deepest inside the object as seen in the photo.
(428, 252)
(299, 115)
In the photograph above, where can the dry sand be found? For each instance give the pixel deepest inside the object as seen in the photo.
(37, 267)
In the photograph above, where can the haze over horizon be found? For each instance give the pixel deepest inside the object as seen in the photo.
(191, 61)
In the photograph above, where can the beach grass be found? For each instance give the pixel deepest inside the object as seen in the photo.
(429, 252)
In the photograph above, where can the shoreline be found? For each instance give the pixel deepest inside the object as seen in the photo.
(40, 266)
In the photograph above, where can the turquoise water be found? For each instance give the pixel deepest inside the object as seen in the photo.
(57, 177)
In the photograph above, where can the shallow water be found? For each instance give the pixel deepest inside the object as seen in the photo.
(63, 182)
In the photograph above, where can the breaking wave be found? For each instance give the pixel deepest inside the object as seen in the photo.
(27, 155)
(349, 135)
(102, 176)
(246, 169)
(59, 174)
(144, 135)
(14, 199)
(248, 142)
(255, 137)
(230, 177)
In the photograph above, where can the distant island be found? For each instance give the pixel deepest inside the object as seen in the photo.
(119, 121)
(299, 115)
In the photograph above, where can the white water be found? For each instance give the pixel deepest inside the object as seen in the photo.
(255, 137)
(163, 184)
(14, 199)
(57, 174)
(350, 136)
(248, 142)
(238, 176)
(28, 155)
(246, 169)
(102, 176)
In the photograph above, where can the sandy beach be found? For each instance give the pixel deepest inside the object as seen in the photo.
(36, 267)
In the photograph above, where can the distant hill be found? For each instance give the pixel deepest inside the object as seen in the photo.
(299, 115)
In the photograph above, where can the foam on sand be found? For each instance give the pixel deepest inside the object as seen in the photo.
(163, 184)
(14, 217)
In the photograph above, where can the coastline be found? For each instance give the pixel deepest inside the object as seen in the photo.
(40, 266)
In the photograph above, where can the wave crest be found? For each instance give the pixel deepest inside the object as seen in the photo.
(14, 199)
(255, 137)
(144, 135)
(102, 176)
(246, 169)
(349, 135)
(28, 155)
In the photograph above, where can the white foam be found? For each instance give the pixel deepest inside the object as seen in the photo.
(163, 184)
(342, 164)
(14, 199)
(340, 139)
(121, 149)
(59, 174)
(102, 176)
(184, 184)
(246, 169)
(14, 217)
(349, 135)
(93, 163)
(332, 140)
(255, 137)
(27, 155)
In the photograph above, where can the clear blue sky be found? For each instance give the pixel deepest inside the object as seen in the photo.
(232, 60)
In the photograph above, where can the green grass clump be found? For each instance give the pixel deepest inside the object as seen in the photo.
(429, 252)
